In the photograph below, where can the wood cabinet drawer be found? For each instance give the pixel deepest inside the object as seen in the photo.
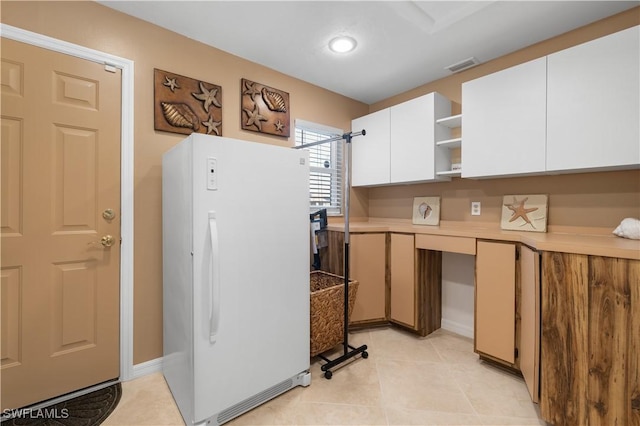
(463, 245)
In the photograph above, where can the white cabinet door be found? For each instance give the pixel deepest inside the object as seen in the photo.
(370, 153)
(504, 122)
(593, 104)
(413, 134)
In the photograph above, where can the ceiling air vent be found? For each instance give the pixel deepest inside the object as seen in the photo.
(463, 65)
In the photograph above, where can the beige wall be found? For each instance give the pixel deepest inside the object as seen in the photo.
(589, 199)
(599, 199)
(92, 25)
(586, 200)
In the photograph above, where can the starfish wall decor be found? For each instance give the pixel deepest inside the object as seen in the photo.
(186, 105)
(524, 213)
(264, 109)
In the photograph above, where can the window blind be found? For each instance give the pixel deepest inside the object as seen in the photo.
(325, 164)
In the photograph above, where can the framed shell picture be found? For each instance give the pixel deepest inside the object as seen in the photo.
(186, 105)
(524, 213)
(264, 109)
(426, 211)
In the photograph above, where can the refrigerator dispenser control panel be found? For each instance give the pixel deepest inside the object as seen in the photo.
(212, 174)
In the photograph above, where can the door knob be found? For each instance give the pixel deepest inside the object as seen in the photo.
(107, 240)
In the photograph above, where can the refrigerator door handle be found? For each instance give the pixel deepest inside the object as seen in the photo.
(214, 279)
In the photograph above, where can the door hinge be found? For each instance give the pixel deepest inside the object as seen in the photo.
(515, 352)
(517, 253)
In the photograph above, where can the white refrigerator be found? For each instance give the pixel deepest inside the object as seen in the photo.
(235, 275)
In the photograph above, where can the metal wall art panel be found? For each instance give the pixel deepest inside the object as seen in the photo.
(186, 105)
(264, 109)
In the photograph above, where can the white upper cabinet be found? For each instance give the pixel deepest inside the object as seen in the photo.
(505, 122)
(370, 153)
(594, 104)
(414, 157)
(572, 111)
(399, 145)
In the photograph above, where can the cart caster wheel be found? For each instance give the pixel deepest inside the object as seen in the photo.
(328, 374)
(365, 354)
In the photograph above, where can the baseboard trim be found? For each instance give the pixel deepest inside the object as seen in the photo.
(147, 367)
(458, 328)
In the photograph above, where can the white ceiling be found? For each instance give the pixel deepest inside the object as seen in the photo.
(401, 44)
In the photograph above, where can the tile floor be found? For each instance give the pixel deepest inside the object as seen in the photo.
(407, 380)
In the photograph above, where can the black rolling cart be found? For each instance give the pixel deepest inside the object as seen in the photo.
(348, 350)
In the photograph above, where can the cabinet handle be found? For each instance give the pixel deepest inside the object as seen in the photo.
(214, 278)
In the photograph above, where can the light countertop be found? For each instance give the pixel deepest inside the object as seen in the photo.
(580, 240)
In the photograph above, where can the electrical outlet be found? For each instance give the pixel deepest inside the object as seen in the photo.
(475, 208)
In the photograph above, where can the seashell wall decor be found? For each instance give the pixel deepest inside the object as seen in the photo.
(426, 211)
(264, 109)
(186, 105)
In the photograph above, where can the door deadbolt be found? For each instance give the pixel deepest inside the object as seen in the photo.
(108, 214)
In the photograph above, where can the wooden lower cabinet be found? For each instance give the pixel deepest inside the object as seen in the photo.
(332, 256)
(528, 341)
(415, 289)
(429, 283)
(590, 348)
(495, 299)
(507, 311)
(368, 266)
(397, 282)
(403, 289)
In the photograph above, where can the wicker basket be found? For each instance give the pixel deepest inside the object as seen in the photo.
(327, 310)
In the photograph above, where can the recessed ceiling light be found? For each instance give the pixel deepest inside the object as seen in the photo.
(342, 44)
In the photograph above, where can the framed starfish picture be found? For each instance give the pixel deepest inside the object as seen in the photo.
(524, 213)
(186, 105)
(264, 109)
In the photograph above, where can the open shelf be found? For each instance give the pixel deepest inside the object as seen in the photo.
(450, 173)
(450, 143)
(451, 122)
